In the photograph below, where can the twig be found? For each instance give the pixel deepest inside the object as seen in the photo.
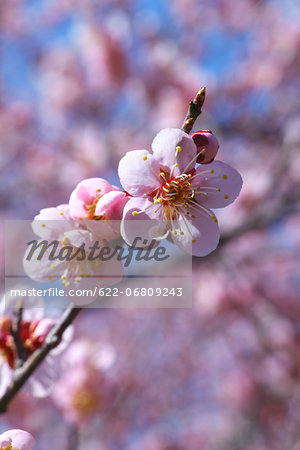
(195, 109)
(22, 374)
(73, 441)
(16, 334)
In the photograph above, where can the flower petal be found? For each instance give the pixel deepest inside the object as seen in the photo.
(111, 205)
(202, 229)
(139, 172)
(164, 149)
(103, 229)
(103, 273)
(22, 440)
(85, 194)
(6, 377)
(51, 223)
(136, 229)
(43, 269)
(214, 176)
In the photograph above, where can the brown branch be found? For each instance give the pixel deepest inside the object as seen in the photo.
(195, 109)
(22, 374)
(16, 334)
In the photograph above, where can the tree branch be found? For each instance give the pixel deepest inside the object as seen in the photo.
(16, 334)
(195, 109)
(22, 374)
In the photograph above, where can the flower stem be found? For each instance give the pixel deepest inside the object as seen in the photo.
(195, 109)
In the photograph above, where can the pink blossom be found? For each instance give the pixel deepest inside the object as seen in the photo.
(70, 236)
(207, 146)
(50, 223)
(34, 329)
(84, 389)
(85, 196)
(16, 440)
(94, 200)
(177, 196)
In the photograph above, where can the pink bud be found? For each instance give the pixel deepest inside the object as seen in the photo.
(207, 146)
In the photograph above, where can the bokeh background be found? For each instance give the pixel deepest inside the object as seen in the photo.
(81, 83)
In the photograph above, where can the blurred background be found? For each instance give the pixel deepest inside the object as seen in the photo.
(81, 83)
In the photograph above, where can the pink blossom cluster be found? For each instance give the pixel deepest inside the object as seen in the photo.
(172, 190)
(82, 84)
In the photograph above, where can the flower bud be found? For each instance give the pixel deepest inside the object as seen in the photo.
(207, 146)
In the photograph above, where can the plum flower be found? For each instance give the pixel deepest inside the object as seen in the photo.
(168, 187)
(86, 387)
(16, 440)
(70, 239)
(33, 331)
(94, 200)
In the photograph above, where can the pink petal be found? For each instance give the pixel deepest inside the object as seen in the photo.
(21, 440)
(43, 327)
(111, 205)
(43, 269)
(6, 376)
(51, 223)
(41, 383)
(85, 193)
(164, 149)
(103, 229)
(203, 229)
(104, 273)
(139, 176)
(141, 226)
(224, 177)
(76, 238)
